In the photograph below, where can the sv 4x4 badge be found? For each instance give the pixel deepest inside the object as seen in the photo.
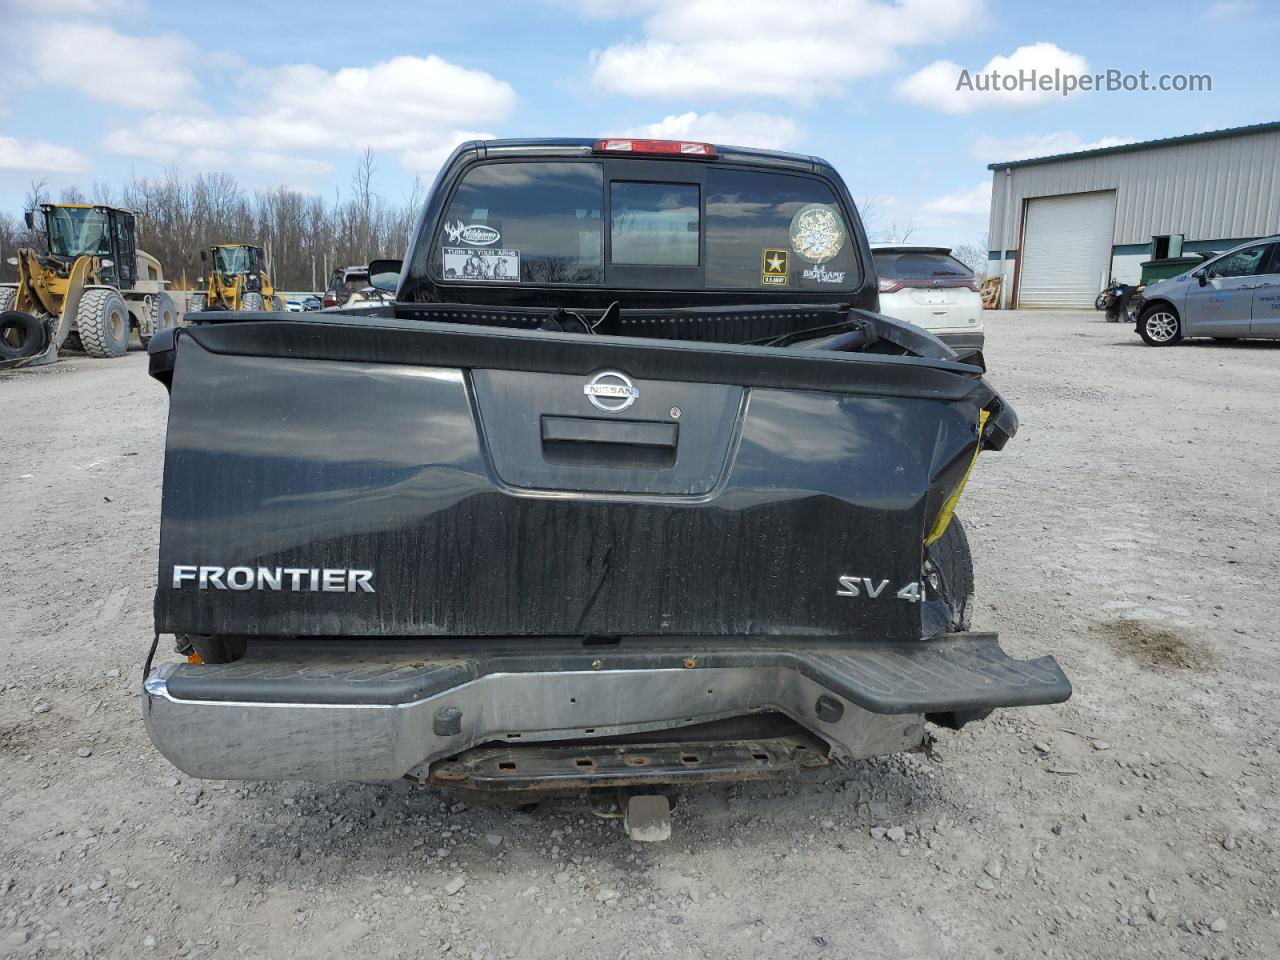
(866, 587)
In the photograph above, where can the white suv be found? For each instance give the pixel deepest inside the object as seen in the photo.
(932, 289)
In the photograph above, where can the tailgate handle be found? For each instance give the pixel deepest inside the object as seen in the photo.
(632, 433)
(633, 443)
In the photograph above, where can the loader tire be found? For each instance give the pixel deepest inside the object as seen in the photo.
(8, 294)
(72, 342)
(949, 574)
(197, 302)
(252, 301)
(21, 335)
(164, 314)
(103, 322)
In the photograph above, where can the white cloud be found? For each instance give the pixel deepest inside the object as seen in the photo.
(40, 157)
(934, 86)
(137, 72)
(285, 163)
(763, 130)
(407, 103)
(778, 53)
(1231, 11)
(974, 201)
(988, 149)
(171, 136)
(79, 7)
(417, 108)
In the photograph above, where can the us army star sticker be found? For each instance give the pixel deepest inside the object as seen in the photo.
(773, 271)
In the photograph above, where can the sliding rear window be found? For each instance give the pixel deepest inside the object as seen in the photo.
(920, 266)
(654, 224)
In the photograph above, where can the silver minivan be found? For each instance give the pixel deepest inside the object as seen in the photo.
(1234, 295)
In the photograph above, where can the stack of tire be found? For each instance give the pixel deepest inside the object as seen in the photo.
(22, 336)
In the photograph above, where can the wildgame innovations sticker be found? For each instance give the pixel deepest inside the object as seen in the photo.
(773, 267)
(472, 234)
(470, 263)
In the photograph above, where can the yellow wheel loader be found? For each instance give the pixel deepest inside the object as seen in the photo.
(90, 288)
(236, 280)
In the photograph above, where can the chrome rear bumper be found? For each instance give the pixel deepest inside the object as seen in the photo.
(285, 714)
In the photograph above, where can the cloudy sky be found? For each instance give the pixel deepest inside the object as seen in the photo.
(99, 90)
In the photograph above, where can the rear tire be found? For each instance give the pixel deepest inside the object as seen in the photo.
(164, 314)
(8, 294)
(252, 301)
(948, 574)
(103, 322)
(197, 302)
(1159, 325)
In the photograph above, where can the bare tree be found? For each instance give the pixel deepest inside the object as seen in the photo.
(300, 233)
(869, 214)
(897, 232)
(972, 255)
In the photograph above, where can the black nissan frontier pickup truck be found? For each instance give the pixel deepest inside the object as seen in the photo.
(630, 484)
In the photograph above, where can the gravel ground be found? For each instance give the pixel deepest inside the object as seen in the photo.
(1130, 529)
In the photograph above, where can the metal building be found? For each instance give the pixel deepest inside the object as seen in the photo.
(1061, 226)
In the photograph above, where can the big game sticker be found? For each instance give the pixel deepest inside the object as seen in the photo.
(470, 263)
(817, 232)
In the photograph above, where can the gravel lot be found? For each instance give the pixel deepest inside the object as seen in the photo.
(1132, 528)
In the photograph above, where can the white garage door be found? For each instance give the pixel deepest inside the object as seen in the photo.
(1066, 249)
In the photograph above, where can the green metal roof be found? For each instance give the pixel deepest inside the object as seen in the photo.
(1143, 145)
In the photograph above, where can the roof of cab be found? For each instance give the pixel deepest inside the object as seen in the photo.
(579, 147)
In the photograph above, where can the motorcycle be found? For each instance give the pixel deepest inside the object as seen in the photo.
(1114, 300)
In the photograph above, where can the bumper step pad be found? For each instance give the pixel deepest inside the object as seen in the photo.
(959, 671)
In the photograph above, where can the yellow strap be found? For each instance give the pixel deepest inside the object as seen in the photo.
(949, 507)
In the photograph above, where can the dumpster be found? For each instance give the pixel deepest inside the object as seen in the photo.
(1163, 269)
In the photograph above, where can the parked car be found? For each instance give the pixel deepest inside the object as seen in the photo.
(312, 302)
(343, 282)
(293, 305)
(929, 287)
(368, 297)
(561, 518)
(1233, 295)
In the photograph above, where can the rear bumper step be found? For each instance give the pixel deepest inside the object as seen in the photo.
(328, 712)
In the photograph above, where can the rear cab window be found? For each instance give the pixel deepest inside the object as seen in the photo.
(644, 224)
(919, 265)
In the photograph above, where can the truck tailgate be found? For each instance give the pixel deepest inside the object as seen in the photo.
(380, 477)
